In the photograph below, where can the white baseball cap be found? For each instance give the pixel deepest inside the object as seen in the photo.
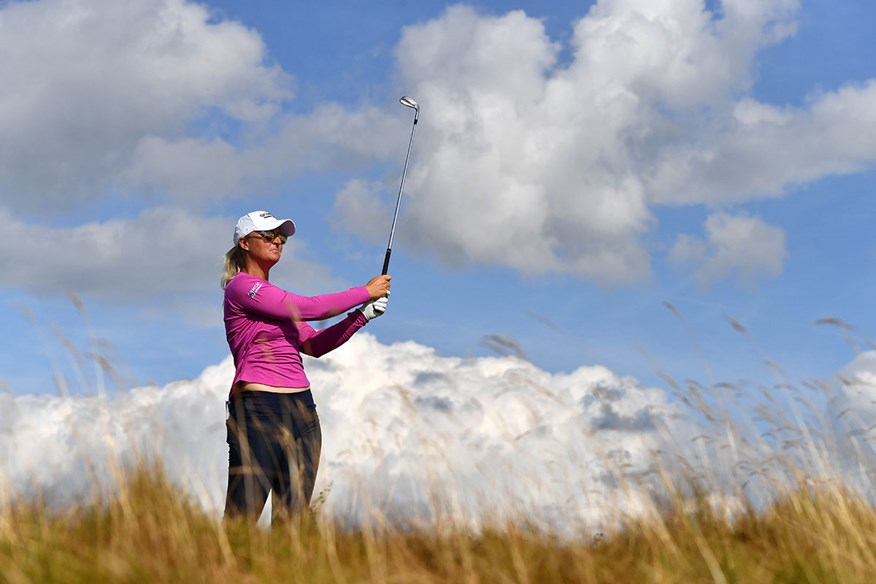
(262, 221)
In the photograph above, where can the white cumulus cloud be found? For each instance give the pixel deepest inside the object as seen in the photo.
(331, 137)
(411, 435)
(85, 81)
(166, 255)
(542, 165)
(760, 150)
(735, 245)
(403, 428)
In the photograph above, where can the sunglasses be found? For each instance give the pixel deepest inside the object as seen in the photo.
(270, 236)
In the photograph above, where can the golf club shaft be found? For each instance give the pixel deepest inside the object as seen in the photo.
(401, 189)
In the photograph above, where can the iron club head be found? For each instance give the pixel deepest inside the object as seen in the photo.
(408, 102)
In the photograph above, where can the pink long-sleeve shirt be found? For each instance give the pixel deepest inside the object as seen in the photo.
(266, 331)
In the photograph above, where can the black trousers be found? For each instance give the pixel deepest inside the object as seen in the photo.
(274, 441)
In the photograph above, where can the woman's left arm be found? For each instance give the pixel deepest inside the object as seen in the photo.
(317, 343)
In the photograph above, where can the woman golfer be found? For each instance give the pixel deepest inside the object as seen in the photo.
(274, 438)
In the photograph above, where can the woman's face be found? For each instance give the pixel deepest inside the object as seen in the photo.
(264, 246)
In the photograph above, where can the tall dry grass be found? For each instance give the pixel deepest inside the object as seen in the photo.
(150, 532)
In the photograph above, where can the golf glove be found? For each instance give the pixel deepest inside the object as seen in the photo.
(374, 308)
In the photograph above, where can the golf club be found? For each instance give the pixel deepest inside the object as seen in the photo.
(407, 102)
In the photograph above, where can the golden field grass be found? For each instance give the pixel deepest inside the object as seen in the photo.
(150, 532)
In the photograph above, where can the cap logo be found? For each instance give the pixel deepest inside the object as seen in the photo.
(266, 215)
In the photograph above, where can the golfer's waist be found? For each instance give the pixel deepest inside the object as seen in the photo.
(250, 386)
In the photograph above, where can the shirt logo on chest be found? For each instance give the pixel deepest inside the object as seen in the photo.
(255, 289)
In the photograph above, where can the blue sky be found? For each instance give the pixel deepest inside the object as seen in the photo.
(577, 166)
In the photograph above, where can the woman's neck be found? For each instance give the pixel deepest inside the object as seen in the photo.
(259, 271)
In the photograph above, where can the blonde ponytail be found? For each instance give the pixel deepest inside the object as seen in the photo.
(235, 261)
